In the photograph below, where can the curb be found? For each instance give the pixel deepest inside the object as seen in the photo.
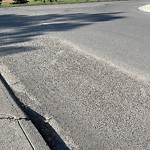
(29, 130)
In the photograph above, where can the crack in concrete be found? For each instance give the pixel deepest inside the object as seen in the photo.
(12, 118)
(25, 135)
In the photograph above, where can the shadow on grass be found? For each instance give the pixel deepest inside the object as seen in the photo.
(23, 28)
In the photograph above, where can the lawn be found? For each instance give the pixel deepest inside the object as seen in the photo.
(38, 2)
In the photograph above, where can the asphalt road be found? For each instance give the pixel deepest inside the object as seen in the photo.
(84, 68)
(116, 32)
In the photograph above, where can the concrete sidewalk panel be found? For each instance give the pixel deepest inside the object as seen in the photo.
(33, 136)
(12, 137)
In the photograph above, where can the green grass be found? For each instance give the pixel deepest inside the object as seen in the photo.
(5, 4)
(39, 2)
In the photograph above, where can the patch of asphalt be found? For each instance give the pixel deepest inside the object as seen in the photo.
(96, 104)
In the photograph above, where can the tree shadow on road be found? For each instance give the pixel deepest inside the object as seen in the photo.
(17, 29)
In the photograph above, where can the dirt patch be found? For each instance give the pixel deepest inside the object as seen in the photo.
(9, 1)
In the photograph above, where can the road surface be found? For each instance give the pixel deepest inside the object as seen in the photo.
(84, 68)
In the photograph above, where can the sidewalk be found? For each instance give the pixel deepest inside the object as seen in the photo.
(16, 130)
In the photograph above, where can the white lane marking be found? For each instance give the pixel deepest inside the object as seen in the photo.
(145, 8)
